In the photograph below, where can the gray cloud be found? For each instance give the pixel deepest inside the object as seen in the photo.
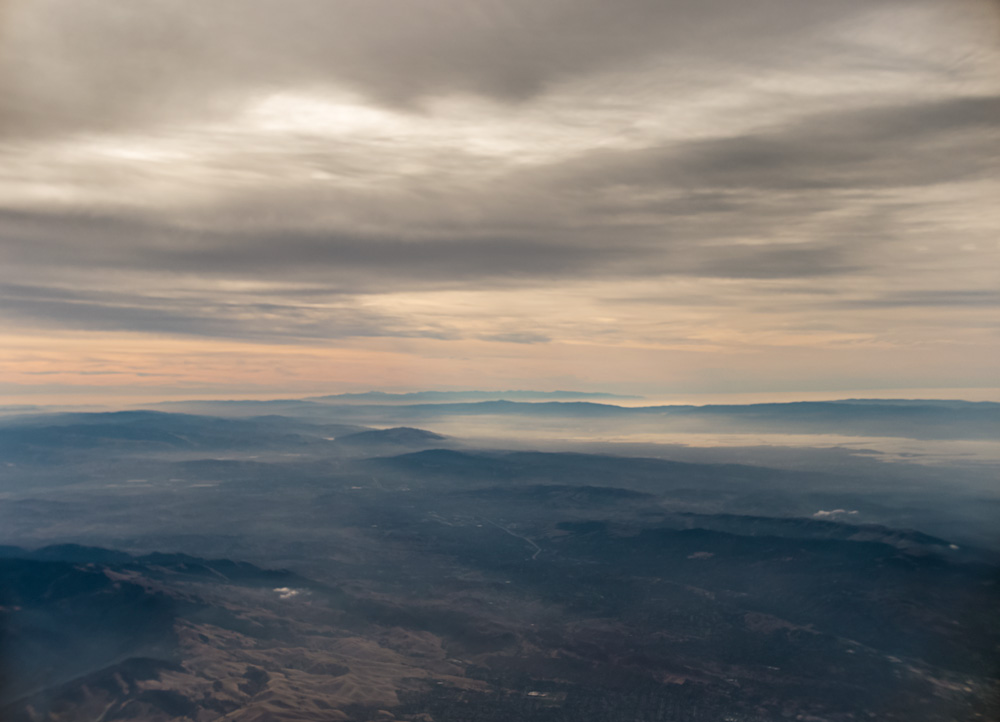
(356, 263)
(517, 337)
(210, 315)
(826, 181)
(927, 299)
(348, 261)
(93, 64)
(919, 143)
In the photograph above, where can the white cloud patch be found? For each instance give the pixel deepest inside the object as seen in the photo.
(286, 592)
(821, 514)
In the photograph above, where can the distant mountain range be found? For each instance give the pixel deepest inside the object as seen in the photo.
(916, 419)
(253, 422)
(382, 397)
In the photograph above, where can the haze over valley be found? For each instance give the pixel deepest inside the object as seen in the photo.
(325, 561)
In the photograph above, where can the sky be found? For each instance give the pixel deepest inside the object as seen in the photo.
(252, 198)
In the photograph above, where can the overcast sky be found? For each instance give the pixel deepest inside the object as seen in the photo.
(283, 197)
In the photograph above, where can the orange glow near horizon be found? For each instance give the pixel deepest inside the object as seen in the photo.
(68, 368)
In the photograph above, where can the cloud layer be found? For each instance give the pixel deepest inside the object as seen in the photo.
(725, 177)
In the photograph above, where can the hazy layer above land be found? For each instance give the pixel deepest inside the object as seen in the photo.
(917, 419)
